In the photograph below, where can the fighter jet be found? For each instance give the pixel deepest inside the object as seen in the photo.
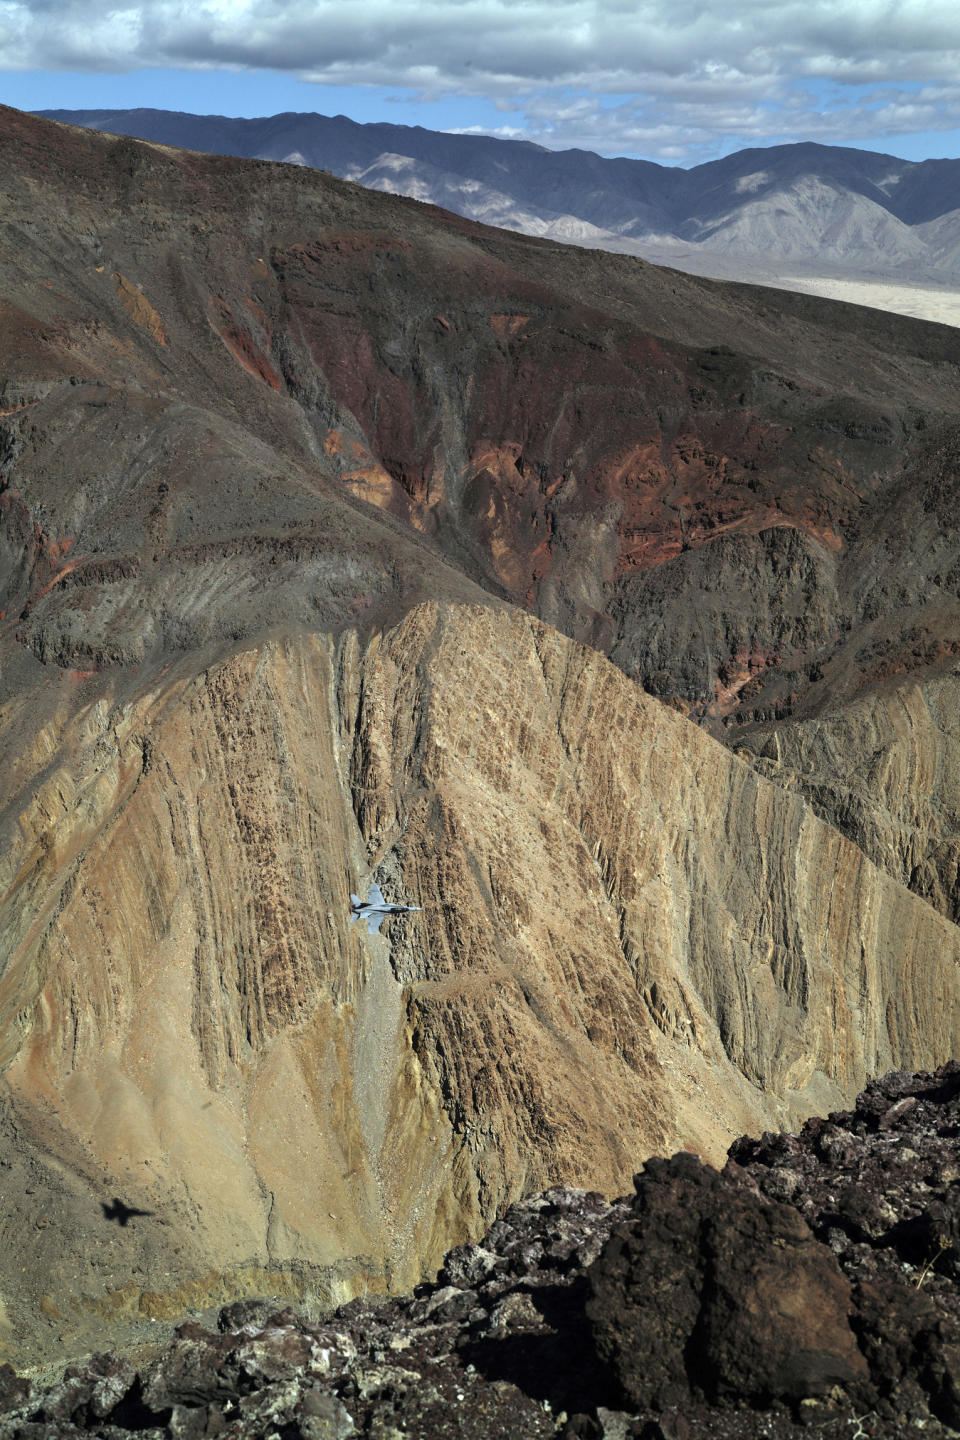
(376, 909)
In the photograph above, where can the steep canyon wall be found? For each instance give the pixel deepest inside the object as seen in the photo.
(629, 942)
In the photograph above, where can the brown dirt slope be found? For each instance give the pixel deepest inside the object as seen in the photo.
(716, 485)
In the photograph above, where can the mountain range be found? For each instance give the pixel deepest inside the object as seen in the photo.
(608, 613)
(804, 210)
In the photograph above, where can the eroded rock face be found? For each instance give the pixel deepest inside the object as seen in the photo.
(261, 400)
(628, 939)
(882, 769)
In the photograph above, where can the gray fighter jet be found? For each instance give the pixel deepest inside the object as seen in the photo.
(376, 909)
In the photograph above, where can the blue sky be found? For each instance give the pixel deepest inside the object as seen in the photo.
(678, 81)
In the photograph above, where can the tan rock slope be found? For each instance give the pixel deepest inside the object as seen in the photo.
(884, 769)
(629, 941)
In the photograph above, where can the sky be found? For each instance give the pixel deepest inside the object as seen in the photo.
(676, 81)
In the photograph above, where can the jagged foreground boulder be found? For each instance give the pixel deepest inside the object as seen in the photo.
(719, 1288)
(629, 941)
(735, 1305)
(815, 1274)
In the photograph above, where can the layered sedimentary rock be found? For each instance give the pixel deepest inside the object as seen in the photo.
(629, 941)
(884, 770)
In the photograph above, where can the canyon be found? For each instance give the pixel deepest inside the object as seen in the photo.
(608, 613)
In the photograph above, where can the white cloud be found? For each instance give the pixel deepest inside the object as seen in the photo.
(697, 68)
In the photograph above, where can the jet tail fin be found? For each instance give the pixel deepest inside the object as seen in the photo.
(355, 901)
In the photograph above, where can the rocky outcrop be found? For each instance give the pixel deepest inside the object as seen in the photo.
(816, 1272)
(719, 1290)
(807, 1289)
(628, 941)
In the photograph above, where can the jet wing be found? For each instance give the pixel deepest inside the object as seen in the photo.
(376, 897)
(375, 921)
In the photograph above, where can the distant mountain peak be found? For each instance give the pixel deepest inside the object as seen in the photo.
(712, 218)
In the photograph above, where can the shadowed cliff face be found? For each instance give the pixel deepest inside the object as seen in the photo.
(282, 467)
(629, 941)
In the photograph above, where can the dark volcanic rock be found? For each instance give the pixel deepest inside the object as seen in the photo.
(713, 1291)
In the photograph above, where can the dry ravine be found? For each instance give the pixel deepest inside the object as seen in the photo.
(626, 947)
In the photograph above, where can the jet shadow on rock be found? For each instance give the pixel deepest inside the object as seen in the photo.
(121, 1212)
